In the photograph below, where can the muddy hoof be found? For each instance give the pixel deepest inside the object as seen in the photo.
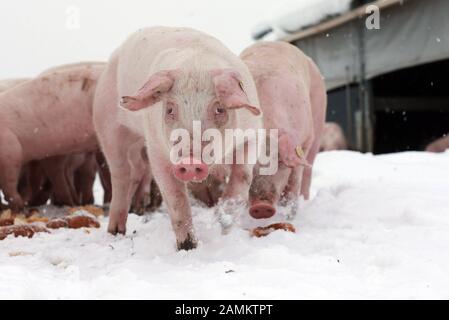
(114, 230)
(188, 244)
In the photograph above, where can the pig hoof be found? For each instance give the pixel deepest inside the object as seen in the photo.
(187, 244)
(114, 230)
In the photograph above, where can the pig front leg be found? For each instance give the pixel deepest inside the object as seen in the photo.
(10, 166)
(174, 194)
(307, 175)
(155, 197)
(141, 197)
(292, 190)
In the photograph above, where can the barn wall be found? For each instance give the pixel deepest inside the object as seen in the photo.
(336, 54)
(414, 33)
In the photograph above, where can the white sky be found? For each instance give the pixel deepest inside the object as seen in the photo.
(34, 33)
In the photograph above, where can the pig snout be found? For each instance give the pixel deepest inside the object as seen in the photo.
(190, 169)
(262, 210)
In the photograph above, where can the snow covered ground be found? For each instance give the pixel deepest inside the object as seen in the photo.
(377, 227)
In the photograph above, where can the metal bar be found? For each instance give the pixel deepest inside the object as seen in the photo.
(345, 18)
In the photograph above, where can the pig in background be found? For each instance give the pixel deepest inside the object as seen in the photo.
(188, 76)
(65, 180)
(439, 145)
(7, 84)
(293, 99)
(47, 116)
(333, 138)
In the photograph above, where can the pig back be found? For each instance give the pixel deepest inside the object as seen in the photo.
(52, 114)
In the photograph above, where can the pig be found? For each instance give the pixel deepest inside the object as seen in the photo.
(39, 178)
(293, 99)
(146, 91)
(439, 145)
(10, 83)
(50, 115)
(333, 138)
(68, 66)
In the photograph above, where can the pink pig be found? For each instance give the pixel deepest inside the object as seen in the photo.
(10, 83)
(333, 138)
(36, 176)
(48, 116)
(162, 79)
(293, 99)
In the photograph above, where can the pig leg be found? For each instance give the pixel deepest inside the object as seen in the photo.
(105, 177)
(155, 196)
(31, 185)
(141, 177)
(174, 194)
(307, 175)
(42, 194)
(54, 168)
(115, 141)
(10, 166)
(292, 191)
(123, 186)
(70, 172)
(40, 187)
(293, 187)
(141, 197)
(24, 187)
(85, 178)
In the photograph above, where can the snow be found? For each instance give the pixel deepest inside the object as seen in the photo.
(293, 16)
(376, 227)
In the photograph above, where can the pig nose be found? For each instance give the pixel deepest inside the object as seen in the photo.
(262, 210)
(190, 169)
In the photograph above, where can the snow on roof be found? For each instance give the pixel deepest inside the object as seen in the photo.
(294, 16)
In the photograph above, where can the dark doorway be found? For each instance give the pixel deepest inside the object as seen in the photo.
(411, 107)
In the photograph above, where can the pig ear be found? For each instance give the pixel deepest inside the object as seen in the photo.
(290, 154)
(230, 92)
(151, 92)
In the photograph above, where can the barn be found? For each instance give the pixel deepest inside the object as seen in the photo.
(388, 86)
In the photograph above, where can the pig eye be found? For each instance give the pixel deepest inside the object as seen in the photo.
(170, 111)
(219, 110)
(218, 113)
